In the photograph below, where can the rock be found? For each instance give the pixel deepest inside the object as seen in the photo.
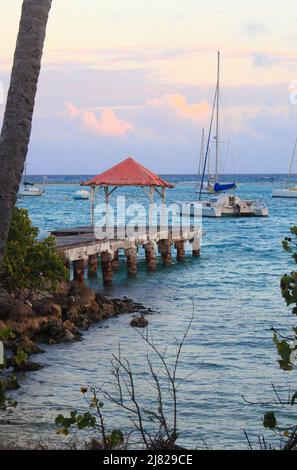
(108, 310)
(139, 322)
(69, 337)
(28, 346)
(51, 330)
(82, 292)
(11, 309)
(101, 300)
(9, 383)
(46, 307)
(120, 307)
(64, 288)
(27, 367)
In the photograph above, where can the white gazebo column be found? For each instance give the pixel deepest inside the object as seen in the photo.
(151, 210)
(92, 198)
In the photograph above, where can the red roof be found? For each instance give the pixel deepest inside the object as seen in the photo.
(128, 173)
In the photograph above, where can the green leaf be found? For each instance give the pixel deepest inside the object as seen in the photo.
(6, 334)
(21, 357)
(270, 421)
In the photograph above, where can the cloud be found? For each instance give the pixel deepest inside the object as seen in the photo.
(108, 124)
(178, 103)
(254, 28)
(275, 58)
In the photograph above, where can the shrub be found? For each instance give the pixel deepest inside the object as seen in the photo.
(29, 263)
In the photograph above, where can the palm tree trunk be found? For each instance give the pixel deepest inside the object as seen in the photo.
(17, 123)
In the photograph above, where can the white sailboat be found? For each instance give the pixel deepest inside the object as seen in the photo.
(223, 205)
(29, 189)
(288, 192)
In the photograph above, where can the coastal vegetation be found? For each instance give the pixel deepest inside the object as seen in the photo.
(287, 351)
(30, 263)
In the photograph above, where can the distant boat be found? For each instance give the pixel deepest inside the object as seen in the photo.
(81, 195)
(233, 206)
(288, 192)
(226, 206)
(29, 189)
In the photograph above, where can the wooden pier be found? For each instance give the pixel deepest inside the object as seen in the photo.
(80, 246)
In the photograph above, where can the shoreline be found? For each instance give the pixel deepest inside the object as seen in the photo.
(54, 318)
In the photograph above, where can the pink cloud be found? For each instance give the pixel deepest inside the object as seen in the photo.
(108, 124)
(178, 103)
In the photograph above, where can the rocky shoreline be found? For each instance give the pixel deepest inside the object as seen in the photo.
(33, 318)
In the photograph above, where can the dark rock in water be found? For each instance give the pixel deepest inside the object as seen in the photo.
(69, 337)
(101, 300)
(9, 383)
(27, 345)
(109, 310)
(139, 322)
(27, 367)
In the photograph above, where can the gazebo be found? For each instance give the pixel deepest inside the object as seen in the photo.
(127, 173)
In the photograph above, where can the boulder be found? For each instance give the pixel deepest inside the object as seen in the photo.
(139, 322)
(108, 310)
(101, 300)
(69, 337)
(47, 307)
(82, 292)
(64, 288)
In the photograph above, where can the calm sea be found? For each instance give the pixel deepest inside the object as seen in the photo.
(229, 351)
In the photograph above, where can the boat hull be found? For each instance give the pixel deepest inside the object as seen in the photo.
(30, 193)
(286, 193)
(81, 196)
(230, 206)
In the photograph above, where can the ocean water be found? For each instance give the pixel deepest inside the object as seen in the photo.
(234, 291)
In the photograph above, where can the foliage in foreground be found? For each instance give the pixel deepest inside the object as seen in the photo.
(287, 350)
(29, 263)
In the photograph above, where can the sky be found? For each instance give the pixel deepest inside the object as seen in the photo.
(137, 78)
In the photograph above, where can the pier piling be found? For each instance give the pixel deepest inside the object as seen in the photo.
(150, 256)
(196, 253)
(165, 249)
(131, 254)
(93, 266)
(79, 267)
(181, 252)
(116, 261)
(107, 271)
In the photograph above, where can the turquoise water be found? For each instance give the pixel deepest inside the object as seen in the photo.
(229, 352)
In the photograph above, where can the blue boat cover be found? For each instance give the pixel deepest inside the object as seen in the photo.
(218, 187)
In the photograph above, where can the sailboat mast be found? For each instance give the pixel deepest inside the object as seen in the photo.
(218, 120)
(291, 166)
(201, 153)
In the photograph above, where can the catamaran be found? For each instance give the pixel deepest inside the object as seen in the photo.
(223, 205)
(288, 192)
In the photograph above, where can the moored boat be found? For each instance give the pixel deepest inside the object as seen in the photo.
(30, 190)
(227, 206)
(81, 195)
(287, 192)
